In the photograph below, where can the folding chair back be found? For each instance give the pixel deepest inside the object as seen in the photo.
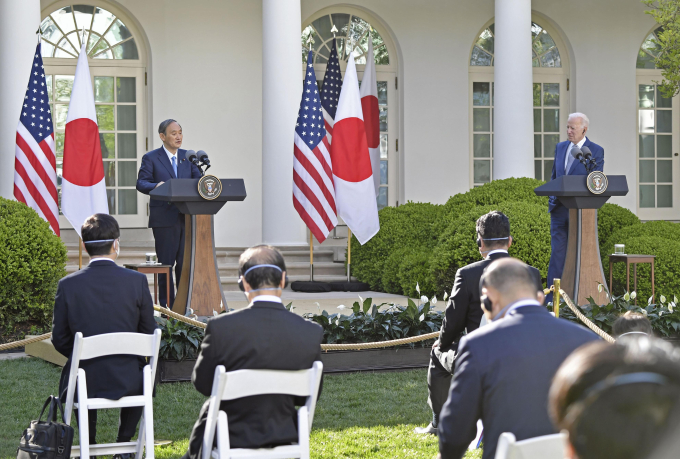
(138, 344)
(246, 383)
(544, 447)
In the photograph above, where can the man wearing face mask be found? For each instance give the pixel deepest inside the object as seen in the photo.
(263, 335)
(504, 370)
(104, 298)
(463, 311)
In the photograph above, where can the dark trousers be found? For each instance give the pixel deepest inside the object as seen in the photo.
(127, 423)
(196, 438)
(169, 243)
(438, 384)
(559, 234)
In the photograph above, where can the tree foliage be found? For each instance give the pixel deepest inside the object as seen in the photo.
(667, 14)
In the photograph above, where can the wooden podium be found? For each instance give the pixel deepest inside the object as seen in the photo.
(582, 266)
(199, 288)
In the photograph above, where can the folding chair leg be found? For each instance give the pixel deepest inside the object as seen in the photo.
(83, 417)
(223, 445)
(148, 413)
(140, 439)
(303, 432)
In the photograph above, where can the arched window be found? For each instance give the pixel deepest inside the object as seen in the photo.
(357, 25)
(118, 79)
(658, 140)
(550, 102)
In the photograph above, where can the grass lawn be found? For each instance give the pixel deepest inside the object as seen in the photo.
(367, 415)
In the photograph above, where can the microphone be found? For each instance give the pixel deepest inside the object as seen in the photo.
(191, 156)
(203, 157)
(587, 153)
(577, 153)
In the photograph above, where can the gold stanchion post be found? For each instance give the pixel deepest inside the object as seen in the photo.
(556, 297)
(311, 257)
(349, 253)
(80, 253)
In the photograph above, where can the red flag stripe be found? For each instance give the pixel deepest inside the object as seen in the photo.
(34, 177)
(318, 234)
(314, 175)
(37, 166)
(322, 163)
(36, 195)
(310, 211)
(49, 152)
(309, 194)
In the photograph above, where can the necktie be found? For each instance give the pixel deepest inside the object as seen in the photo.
(174, 166)
(570, 160)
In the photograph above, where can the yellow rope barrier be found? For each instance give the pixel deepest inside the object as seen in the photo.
(23, 342)
(584, 319)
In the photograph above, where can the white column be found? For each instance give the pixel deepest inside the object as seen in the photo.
(281, 92)
(513, 143)
(18, 22)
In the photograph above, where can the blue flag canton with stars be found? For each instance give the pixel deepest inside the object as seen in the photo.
(332, 83)
(36, 115)
(310, 125)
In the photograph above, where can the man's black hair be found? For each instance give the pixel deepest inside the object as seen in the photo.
(163, 127)
(99, 227)
(494, 225)
(261, 277)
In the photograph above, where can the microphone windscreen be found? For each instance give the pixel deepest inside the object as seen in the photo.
(191, 155)
(202, 155)
(576, 152)
(586, 152)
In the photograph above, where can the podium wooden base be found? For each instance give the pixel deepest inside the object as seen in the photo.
(583, 267)
(200, 287)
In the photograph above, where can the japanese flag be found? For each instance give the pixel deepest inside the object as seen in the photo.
(369, 105)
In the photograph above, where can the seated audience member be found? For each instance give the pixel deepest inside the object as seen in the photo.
(104, 298)
(617, 401)
(463, 310)
(264, 335)
(503, 371)
(632, 323)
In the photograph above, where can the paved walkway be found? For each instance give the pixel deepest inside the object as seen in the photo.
(13, 355)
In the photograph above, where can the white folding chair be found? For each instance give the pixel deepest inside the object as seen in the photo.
(112, 344)
(245, 383)
(545, 447)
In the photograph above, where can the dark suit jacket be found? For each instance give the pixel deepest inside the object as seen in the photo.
(502, 376)
(463, 310)
(262, 336)
(103, 298)
(563, 149)
(156, 168)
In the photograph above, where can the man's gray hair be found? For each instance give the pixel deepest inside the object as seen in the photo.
(164, 125)
(584, 118)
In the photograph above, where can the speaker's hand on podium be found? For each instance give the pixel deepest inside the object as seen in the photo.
(159, 184)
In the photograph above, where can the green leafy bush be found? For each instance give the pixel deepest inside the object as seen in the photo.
(367, 323)
(529, 227)
(32, 260)
(390, 277)
(612, 218)
(179, 341)
(414, 270)
(406, 226)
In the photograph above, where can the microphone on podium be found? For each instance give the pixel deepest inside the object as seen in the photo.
(203, 158)
(588, 155)
(191, 156)
(577, 153)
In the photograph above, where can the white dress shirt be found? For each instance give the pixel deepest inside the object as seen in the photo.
(101, 258)
(571, 145)
(170, 156)
(272, 298)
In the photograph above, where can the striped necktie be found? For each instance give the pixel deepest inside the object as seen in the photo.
(174, 165)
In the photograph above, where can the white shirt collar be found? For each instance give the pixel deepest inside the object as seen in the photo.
(271, 298)
(101, 258)
(496, 251)
(571, 145)
(170, 155)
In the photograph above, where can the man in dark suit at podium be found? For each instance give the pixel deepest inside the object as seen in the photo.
(566, 164)
(166, 221)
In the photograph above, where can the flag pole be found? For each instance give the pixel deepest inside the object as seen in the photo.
(311, 257)
(80, 253)
(349, 253)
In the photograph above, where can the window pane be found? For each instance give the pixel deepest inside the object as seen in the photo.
(383, 146)
(127, 117)
(646, 121)
(127, 50)
(111, 197)
(127, 145)
(127, 202)
(664, 149)
(662, 102)
(646, 96)
(60, 116)
(538, 168)
(664, 171)
(382, 197)
(481, 94)
(383, 172)
(126, 89)
(646, 171)
(537, 94)
(664, 196)
(63, 84)
(382, 92)
(482, 171)
(480, 119)
(537, 120)
(664, 120)
(537, 146)
(551, 120)
(48, 78)
(480, 57)
(647, 146)
(486, 41)
(547, 169)
(550, 141)
(118, 32)
(59, 143)
(551, 94)
(644, 61)
(127, 173)
(107, 143)
(482, 145)
(383, 118)
(105, 117)
(323, 27)
(103, 89)
(110, 173)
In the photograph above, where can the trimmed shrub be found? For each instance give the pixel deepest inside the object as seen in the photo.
(414, 269)
(390, 277)
(611, 218)
(32, 260)
(407, 226)
(529, 227)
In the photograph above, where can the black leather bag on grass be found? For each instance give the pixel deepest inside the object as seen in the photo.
(47, 439)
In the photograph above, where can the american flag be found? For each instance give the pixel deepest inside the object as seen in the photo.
(330, 91)
(35, 165)
(313, 191)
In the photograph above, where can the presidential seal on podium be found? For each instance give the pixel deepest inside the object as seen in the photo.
(209, 187)
(597, 182)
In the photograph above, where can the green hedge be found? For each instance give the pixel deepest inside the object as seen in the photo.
(405, 227)
(414, 269)
(32, 260)
(611, 218)
(529, 226)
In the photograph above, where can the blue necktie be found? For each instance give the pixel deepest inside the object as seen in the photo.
(174, 166)
(570, 160)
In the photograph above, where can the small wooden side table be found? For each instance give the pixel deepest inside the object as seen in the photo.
(631, 260)
(155, 270)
